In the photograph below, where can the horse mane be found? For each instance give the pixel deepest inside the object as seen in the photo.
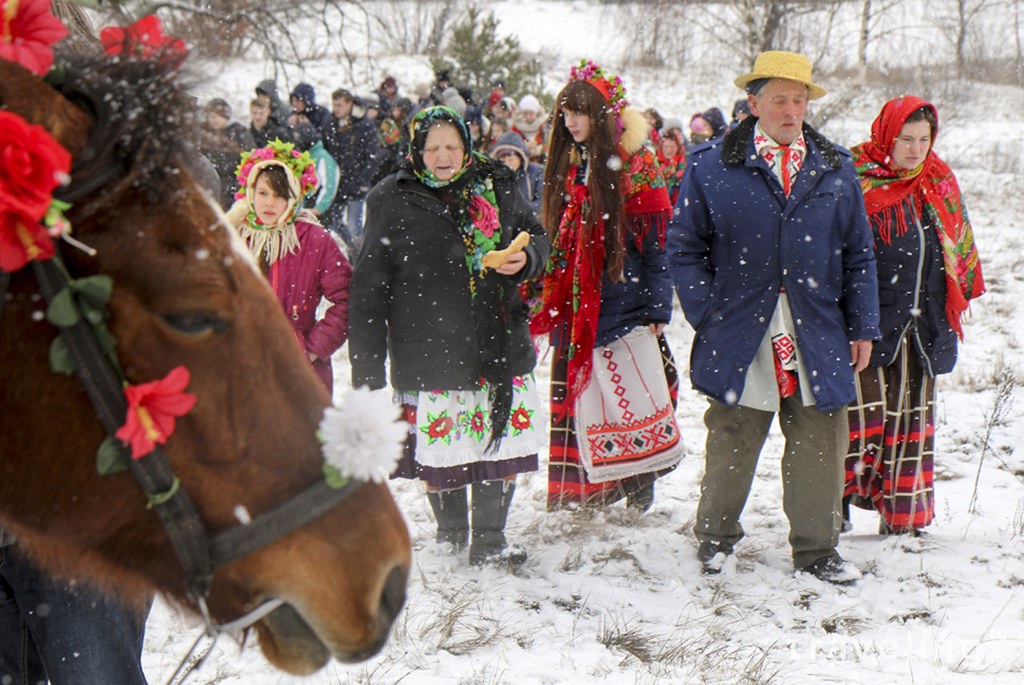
(144, 125)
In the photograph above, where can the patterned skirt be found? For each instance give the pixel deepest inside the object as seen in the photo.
(446, 447)
(891, 460)
(567, 478)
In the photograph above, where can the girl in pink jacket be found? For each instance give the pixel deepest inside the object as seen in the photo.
(298, 257)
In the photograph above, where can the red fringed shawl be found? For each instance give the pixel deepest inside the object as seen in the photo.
(935, 193)
(572, 286)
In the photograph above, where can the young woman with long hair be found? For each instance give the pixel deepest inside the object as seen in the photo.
(607, 298)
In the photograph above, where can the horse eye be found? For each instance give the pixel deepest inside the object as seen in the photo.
(195, 323)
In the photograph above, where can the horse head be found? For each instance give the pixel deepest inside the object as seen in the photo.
(185, 293)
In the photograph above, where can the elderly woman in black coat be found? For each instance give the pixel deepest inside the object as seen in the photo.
(435, 287)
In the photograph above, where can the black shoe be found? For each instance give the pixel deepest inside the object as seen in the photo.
(708, 554)
(642, 499)
(833, 569)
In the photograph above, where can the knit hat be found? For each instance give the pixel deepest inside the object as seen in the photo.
(785, 65)
(716, 120)
(421, 90)
(510, 104)
(219, 106)
(474, 115)
(529, 103)
(672, 123)
(389, 82)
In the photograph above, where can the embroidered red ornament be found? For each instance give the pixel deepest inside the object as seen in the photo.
(145, 38)
(27, 30)
(152, 408)
(32, 164)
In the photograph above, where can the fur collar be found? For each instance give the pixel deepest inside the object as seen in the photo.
(635, 130)
(734, 144)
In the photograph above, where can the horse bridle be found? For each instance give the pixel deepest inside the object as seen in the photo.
(199, 551)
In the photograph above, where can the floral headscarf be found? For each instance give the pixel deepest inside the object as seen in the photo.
(281, 238)
(936, 195)
(469, 195)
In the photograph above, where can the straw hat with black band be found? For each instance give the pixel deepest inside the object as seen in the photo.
(784, 65)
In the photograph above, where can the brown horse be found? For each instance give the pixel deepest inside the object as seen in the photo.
(184, 294)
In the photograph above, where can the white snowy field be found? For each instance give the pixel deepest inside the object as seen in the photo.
(617, 598)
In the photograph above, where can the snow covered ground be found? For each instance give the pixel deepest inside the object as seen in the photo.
(617, 598)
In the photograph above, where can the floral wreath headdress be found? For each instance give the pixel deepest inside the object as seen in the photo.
(610, 85)
(281, 237)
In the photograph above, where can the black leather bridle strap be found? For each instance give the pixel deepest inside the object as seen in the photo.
(199, 552)
(5, 282)
(235, 543)
(153, 472)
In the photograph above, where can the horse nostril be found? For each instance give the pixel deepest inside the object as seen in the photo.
(392, 599)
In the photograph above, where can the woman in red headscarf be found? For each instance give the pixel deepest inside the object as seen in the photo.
(928, 272)
(607, 297)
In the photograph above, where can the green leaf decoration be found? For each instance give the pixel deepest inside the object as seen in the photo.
(95, 290)
(111, 457)
(333, 477)
(63, 310)
(61, 360)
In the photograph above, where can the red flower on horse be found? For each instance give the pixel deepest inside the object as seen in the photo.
(27, 30)
(152, 408)
(32, 164)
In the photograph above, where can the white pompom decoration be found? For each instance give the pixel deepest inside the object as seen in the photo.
(363, 437)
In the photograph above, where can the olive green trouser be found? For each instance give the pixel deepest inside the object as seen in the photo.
(812, 473)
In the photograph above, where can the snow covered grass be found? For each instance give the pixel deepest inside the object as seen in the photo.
(614, 597)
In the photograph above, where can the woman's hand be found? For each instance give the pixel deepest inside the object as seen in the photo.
(657, 328)
(513, 263)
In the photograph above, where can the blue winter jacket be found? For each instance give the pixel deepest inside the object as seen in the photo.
(736, 238)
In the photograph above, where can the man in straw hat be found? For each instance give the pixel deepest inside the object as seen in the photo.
(773, 263)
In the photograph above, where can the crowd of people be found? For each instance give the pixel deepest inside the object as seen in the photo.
(865, 266)
(449, 237)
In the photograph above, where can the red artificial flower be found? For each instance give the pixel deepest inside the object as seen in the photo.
(27, 30)
(145, 38)
(151, 411)
(32, 164)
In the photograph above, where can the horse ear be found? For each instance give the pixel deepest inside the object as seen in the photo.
(37, 102)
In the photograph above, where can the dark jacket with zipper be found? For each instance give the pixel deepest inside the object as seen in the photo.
(410, 292)
(912, 280)
(736, 238)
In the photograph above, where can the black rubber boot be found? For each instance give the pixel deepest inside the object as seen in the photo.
(491, 500)
(452, 514)
(642, 499)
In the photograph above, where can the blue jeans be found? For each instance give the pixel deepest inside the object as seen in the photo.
(69, 634)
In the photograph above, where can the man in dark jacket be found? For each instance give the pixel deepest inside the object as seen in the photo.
(772, 259)
(304, 102)
(229, 138)
(279, 111)
(351, 140)
(265, 128)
